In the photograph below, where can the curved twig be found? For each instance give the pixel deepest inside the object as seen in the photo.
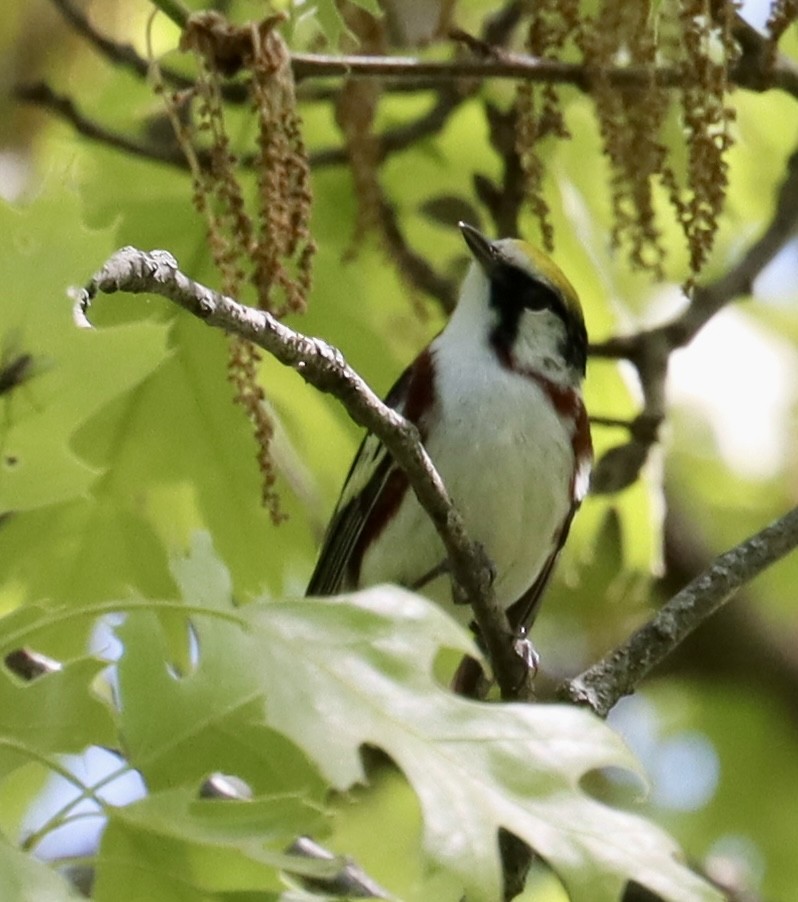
(324, 367)
(42, 95)
(621, 671)
(649, 351)
(757, 69)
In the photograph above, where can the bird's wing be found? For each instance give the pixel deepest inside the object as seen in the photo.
(367, 476)
(372, 491)
(522, 612)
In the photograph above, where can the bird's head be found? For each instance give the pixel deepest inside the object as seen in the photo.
(532, 312)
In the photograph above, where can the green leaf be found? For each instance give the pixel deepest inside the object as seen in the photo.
(24, 879)
(338, 673)
(172, 846)
(46, 483)
(177, 729)
(73, 372)
(474, 767)
(57, 712)
(333, 23)
(124, 440)
(371, 6)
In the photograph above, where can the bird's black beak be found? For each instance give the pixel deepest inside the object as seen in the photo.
(483, 250)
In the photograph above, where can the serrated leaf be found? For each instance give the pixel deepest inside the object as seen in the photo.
(177, 729)
(474, 767)
(74, 372)
(54, 713)
(124, 440)
(195, 848)
(343, 672)
(24, 879)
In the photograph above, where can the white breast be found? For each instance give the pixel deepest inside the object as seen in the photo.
(506, 459)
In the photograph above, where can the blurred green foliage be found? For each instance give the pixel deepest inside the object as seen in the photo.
(122, 443)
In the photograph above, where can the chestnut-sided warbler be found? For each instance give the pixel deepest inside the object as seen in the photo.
(496, 397)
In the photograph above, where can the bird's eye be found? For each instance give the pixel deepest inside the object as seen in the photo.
(536, 296)
(514, 290)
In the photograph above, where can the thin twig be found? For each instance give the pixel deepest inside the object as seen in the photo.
(396, 139)
(649, 351)
(174, 10)
(740, 632)
(42, 95)
(711, 298)
(414, 266)
(503, 65)
(391, 141)
(348, 879)
(324, 367)
(621, 671)
(759, 68)
(782, 75)
(755, 70)
(124, 56)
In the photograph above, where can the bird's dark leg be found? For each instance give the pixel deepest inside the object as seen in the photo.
(438, 570)
(470, 680)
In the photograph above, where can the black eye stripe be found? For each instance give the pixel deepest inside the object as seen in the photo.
(537, 296)
(511, 292)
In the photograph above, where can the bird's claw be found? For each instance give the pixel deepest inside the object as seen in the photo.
(492, 572)
(527, 652)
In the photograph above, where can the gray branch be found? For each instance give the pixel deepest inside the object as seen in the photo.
(758, 68)
(649, 351)
(621, 671)
(324, 367)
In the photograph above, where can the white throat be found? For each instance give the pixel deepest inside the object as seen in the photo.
(539, 341)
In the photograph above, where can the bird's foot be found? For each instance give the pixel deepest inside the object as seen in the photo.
(439, 569)
(527, 652)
